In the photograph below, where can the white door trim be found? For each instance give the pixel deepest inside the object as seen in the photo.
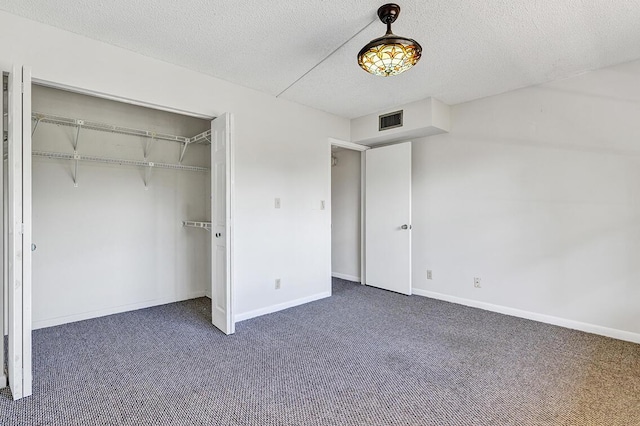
(363, 218)
(27, 316)
(14, 196)
(3, 295)
(347, 145)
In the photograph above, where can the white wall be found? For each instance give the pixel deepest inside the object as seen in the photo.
(110, 245)
(345, 215)
(281, 150)
(537, 192)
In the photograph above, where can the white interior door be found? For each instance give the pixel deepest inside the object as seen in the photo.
(19, 231)
(388, 217)
(221, 187)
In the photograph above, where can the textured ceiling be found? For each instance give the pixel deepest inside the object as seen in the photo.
(471, 48)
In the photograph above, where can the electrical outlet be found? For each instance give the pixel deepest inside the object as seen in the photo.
(476, 282)
(322, 205)
(429, 274)
(277, 283)
(277, 203)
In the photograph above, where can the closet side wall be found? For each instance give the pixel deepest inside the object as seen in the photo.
(109, 245)
(345, 215)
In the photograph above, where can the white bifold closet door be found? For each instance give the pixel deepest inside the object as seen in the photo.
(221, 223)
(18, 231)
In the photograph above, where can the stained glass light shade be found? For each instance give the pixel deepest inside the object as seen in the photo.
(389, 55)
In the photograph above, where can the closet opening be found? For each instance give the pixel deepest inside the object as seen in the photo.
(347, 216)
(108, 206)
(117, 192)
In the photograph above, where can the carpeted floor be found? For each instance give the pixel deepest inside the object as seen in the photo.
(362, 357)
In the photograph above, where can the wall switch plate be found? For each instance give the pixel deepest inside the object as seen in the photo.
(429, 274)
(322, 205)
(277, 203)
(476, 282)
(277, 283)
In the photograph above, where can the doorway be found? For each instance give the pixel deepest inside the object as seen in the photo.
(118, 187)
(346, 214)
(371, 214)
(107, 226)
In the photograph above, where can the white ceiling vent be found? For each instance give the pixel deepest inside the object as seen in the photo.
(415, 120)
(390, 120)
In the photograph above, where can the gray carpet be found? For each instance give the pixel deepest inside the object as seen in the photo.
(362, 357)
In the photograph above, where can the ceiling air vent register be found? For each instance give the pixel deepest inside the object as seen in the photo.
(390, 120)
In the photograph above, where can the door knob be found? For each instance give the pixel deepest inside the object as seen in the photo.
(33, 247)
(406, 226)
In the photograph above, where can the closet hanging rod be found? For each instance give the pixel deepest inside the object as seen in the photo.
(122, 162)
(104, 127)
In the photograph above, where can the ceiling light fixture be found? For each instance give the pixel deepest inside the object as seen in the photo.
(389, 54)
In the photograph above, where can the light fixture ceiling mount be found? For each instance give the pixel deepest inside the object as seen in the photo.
(390, 54)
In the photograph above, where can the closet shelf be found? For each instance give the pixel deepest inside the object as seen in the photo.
(195, 224)
(122, 162)
(202, 138)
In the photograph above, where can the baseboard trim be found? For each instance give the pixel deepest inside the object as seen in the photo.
(547, 319)
(51, 322)
(281, 306)
(346, 277)
(3, 380)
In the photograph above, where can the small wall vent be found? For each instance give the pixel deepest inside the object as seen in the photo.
(390, 120)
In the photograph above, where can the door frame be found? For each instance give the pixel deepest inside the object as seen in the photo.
(360, 148)
(117, 98)
(363, 213)
(3, 268)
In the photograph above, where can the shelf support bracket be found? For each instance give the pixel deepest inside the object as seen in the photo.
(147, 175)
(146, 150)
(33, 131)
(76, 158)
(148, 145)
(184, 149)
(77, 138)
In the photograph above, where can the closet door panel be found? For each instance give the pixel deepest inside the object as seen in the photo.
(19, 231)
(221, 291)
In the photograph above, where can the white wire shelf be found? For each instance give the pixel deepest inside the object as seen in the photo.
(196, 224)
(202, 138)
(122, 162)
